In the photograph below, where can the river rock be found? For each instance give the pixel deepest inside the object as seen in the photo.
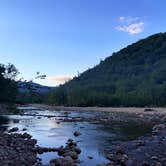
(24, 129)
(72, 154)
(16, 150)
(159, 127)
(77, 133)
(110, 157)
(158, 164)
(66, 161)
(14, 129)
(77, 150)
(16, 120)
(148, 110)
(140, 143)
(90, 157)
(26, 135)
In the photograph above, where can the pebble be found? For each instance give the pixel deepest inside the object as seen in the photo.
(77, 133)
(90, 157)
(13, 129)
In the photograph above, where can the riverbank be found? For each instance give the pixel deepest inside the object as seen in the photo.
(134, 110)
(122, 114)
(145, 151)
(17, 149)
(8, 108)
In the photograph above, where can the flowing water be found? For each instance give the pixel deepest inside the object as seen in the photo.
(94, 138)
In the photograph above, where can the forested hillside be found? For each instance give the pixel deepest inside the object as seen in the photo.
(134, 76)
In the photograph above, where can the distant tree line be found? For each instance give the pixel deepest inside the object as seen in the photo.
(28, 91)
(134, 76)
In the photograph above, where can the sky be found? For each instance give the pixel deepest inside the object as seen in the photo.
(61, 38)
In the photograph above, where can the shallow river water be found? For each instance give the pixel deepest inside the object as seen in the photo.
(95, 138)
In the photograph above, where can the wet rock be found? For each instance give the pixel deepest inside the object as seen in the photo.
(148, 110)
(159, 127)
(90, 157)
(14, 129)
(117, 158)
(130, 163)
(41, 150)
(101, 165)
(31, 141)
(70, 150)
(26, 135)
(38, 150)
(125, 156)
(72, 154)
(77, 133)
(66, 113)
(164, 118)
(16, 150)
(110, 157)
(154, 158)
(140, 143)
(61, 151)
(66, 161)
(16, 120)
(77, 150)
(120, 151)
(145, 163)
(158, 164)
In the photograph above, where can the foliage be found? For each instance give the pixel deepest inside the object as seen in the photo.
(134, 76)
(8, 85)
(30, 92)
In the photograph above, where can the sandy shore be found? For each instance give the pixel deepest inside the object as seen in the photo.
(132, 110)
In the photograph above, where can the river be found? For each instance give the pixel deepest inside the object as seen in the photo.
(50, 130)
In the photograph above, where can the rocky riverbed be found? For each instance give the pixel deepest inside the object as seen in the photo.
(17, 147)
(21, 150)
(145, 151)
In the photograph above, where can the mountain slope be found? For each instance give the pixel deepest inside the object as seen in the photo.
(25, 87)
(30, 92)
(134, 76)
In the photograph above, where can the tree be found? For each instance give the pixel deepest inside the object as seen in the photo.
(8, 84)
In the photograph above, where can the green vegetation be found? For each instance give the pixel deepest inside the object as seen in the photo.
(134, 76)
(14, 91)
(31, 96)
(8, 85)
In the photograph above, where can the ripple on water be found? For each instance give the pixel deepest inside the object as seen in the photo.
(93, 140)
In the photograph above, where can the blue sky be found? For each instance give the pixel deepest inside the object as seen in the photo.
(61, 37)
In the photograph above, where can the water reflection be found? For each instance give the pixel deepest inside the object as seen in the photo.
(93, 140)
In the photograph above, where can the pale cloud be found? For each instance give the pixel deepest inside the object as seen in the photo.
(60, 79)
(131, 25)
(121, 18)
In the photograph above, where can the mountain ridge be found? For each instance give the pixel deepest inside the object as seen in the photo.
(133, 76)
